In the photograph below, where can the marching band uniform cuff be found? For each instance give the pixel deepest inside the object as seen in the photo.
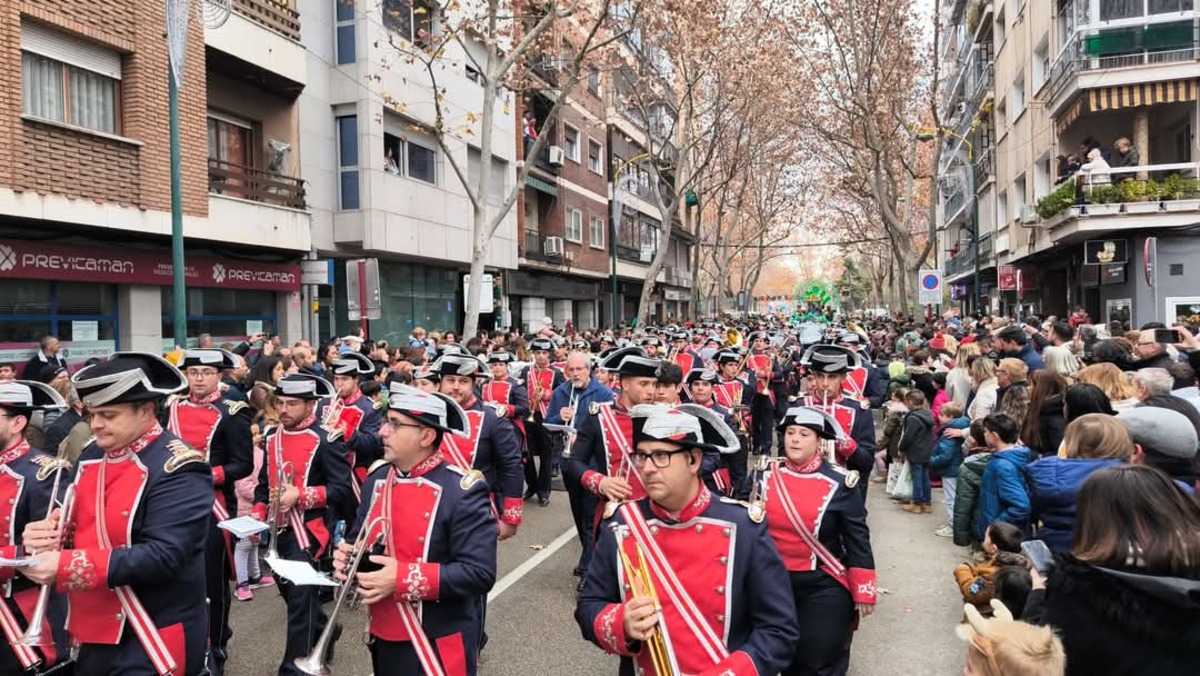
(512, 411)
(591, 481)
(513, 509)
(218, 475)
(846, 448)
(9, 552)
(312, 497)
(609, 628)
(418, 581)
(862, 585)
(737, 664)
(81, 570)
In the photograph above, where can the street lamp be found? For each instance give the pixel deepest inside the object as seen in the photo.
(616, 215)
(930, 134)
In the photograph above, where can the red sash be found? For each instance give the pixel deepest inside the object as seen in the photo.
(618, 449)
(855, 384)
(545, 383)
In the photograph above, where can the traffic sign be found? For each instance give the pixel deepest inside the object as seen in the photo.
(929, 287)
(362, 289)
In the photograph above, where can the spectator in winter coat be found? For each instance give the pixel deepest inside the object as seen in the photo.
(1165, 440)
(983, 375)
(1153, 388)
(1091, 443)
(1061, 360)
(958, 381)
(1043, 428)
(916, 446)
(1002, 545)
(1113, 382)
(966, 489)
(947, 457)
(1012, 395)
(889, 436)
(921, 374)
(1126, 600)
(940, 397)
(1012, 341)
(1002, 495)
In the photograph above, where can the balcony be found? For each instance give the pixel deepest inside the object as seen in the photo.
(535, 249)
(277, 15)
(1170, 49)
(255, 185)
(962, 262)
(985, 166)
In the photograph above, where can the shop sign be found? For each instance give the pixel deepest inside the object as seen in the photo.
(38, 260)
(1007, 278)
(1105, 251)
(675, 294)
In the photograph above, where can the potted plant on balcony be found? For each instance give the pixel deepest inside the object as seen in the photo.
(1062, 199)
(1178, 193)
(1103, 200)
(1138, 196)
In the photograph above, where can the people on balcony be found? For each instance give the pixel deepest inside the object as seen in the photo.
(1125, 154)
(1068, 166)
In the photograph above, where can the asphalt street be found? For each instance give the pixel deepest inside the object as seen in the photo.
(531, 614)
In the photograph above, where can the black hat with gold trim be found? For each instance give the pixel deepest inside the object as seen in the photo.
(128, 377)
(303, 386)
(431, 409)
(688, 425)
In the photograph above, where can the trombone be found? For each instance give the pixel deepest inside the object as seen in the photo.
(283, 477)
(314, 663)
(641, 584)
(535, 392)
(34, 636)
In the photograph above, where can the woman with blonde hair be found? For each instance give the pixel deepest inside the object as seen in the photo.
(958, 380)
(983, 379)
(1061, 360)
(1113, 382)
(1091, 443)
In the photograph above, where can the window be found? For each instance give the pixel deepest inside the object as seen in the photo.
(497, 189)
(1041, 63)
(1001, 209)
(347, 131)
(411, 157)
(1018, 197)
(571, 142)
(1018, 97)
(422, 162)
(69, 81)
(73, 311)
(1002, 117)
(411, 19)
(1041, 177)
(574, 226)
(999, 28)
(595, 155)
(593, 81)
(344, 32)
(226, 314)
(596, 234)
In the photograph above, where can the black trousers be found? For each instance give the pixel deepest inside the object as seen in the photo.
(736, 463)
(762, 423)
(217, 571)
(583, 511)
(825, 611)
(541, 446)
(305, 618)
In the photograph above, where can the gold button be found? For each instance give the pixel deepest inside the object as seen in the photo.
(421, 539)
(727, 532)
(699, 528)
(125, 514)
(724, 560)
(721, 590)
(11, 501)
(720, 618)
(120, 617)
(654, 530)
(426, 515)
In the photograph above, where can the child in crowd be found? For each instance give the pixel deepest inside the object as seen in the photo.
(948, 456)
(245, 552)
(916, 445)
(889, 436)
(1002, 545)
(939, 399)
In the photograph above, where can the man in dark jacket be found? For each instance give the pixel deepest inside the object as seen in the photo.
(46, 358)
(916, 445)
(1014, 342)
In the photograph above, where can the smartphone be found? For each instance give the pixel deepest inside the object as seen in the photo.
(1169, 336)
(1039, 555)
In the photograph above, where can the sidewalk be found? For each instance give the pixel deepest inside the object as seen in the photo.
(912, 629)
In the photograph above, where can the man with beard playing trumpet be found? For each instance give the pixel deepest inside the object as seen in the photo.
(682, 582)
(439, 543)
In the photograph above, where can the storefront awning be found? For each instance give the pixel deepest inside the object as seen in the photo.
(1128, 96)
(539, 184)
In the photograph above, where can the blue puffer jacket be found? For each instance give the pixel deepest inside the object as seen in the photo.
(1003, 495)
(1054, 485)
(947, 457)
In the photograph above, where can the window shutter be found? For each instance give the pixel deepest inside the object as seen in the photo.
(62, 47)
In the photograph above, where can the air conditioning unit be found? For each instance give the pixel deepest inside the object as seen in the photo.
(553, 246)
(557, 156)
(1029, 215)
(569, 255)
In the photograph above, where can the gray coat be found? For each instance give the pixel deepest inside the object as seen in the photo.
(917, 441)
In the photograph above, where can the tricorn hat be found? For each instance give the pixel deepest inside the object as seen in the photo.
(352, 364)
(459, 365)
(29, 396)
(830, 359)
(689, 425)
(501, 357)
(706, 375)
(303, 386)
(542, 344)
(815, 419)
(128, 377)
(209, 356)
(431, 409)
(630, 361)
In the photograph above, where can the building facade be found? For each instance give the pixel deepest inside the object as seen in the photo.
(85, 194)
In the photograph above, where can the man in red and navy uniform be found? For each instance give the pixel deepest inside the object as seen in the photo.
(768, 379)
(685, 357)
(136, 519)
(561, 347)
(867, 382)
(700, 385)
(218, 427)
(683, 582)
(354, 415)
(652, 345)
(437, 556)
(541, 379)
(819, 525)
(316, 478)
(604, 438)
(504, 393)
(735, 392)
(28, 478)
(826, 367)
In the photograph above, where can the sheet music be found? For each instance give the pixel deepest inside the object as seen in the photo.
(299, 573)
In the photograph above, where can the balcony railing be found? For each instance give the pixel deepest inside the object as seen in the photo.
(257, 185)
(278, 15)
(985, 166)
(1157, 43)
(535, 248)
(961, 262)
(1124, 190)
(542, 161)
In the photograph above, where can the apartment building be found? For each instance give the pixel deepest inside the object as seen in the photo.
(85, 176)
(379, 185)
(1072, 76)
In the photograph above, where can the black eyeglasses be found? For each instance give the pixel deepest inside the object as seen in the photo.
(660, 459)
(395, 425)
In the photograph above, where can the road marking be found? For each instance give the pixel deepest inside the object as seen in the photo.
(531, 563)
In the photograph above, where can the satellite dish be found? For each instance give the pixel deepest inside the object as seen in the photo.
(214, 13)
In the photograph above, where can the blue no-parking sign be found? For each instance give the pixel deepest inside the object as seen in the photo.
(929, 287)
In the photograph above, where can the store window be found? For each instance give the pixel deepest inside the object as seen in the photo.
(227, 315)
(411, 295)
(83, 316)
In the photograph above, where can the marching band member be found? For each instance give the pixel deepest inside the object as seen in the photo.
(652, 345)
(667, 393)
(355, 416)
(132, 562)
(559, 361)
(685, 357)
(219, 427)
(820, 527)
(700, 386)
(767, 374)
(570, 404)
(503, 392)
(310, 458)
(491, 445)
(541, 379)
(439, 543)
(682, 583)
(826, 367)
(735, 391)
(425, 379)
(28, 478)
(865, 382)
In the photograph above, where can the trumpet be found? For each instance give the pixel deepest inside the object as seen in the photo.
(641, 584)
(314, 663)
(283, 477)
(34, 636)
(739, 414)
(574, 406)
(757, 510)
(535, 392)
